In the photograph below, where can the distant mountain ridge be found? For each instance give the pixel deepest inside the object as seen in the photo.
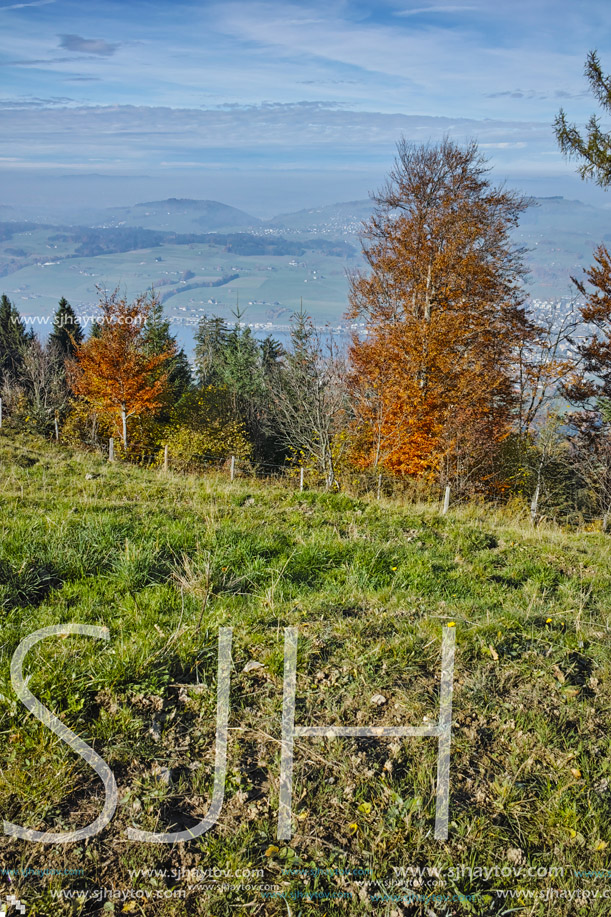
(558, 233)
(185, 214)
(544, 210)
(186, 243)
(332, 217)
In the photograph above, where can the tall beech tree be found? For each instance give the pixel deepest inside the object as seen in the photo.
(115, 371)
(433, 379)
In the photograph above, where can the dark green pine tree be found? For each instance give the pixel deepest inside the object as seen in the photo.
(233, 359)
(67, 333)
(157, 338)
(242, 371)
(592, 149)
(270, 444)
(272, 352)
(210, 350)
(14, 340)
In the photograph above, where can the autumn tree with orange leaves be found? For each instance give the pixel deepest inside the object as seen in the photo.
(113, 370)
(433, 379)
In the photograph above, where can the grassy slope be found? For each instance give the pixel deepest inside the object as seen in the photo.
(164, 561)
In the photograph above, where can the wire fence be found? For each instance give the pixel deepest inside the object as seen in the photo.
(566, 509)
(301, 478)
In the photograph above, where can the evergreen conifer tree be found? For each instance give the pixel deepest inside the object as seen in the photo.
(592, 150)
(14, 340)
(157, 339)
(67, 333)
(210, 345)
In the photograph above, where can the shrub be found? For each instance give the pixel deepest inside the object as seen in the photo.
(203, 430)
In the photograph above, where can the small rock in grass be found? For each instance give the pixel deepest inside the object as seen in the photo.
(252, 665)
(515, 856)
(378, 700)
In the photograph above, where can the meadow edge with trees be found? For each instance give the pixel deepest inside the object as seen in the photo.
(453, 383)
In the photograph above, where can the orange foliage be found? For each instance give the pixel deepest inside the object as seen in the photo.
(595, 379)
(112, 370)
(433, 378)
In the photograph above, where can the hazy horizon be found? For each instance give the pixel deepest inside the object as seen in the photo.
(261, 195)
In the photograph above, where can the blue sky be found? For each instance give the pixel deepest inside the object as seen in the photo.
(224, 96)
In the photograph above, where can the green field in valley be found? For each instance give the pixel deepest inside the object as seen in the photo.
(268, 287)
(39, 264)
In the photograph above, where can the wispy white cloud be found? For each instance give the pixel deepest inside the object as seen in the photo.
(537, 94)
(436, 68)
(419, 10)
(34, 102)
(37, 62)
(21, 6)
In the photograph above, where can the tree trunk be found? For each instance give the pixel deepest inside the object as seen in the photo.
(124, 425)
(328, 466)
(427, 296)
(534, 503)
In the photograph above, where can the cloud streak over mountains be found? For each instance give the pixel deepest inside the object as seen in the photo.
(291, 135)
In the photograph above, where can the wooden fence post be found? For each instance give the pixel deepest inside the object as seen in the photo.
(534, 504)
(56, 429)
(301, 479)
(379, 486)
(111, 449)
(446, 500)
(232, 471)
(165, 458)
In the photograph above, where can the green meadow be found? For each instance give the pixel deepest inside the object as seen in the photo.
(164, 561)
